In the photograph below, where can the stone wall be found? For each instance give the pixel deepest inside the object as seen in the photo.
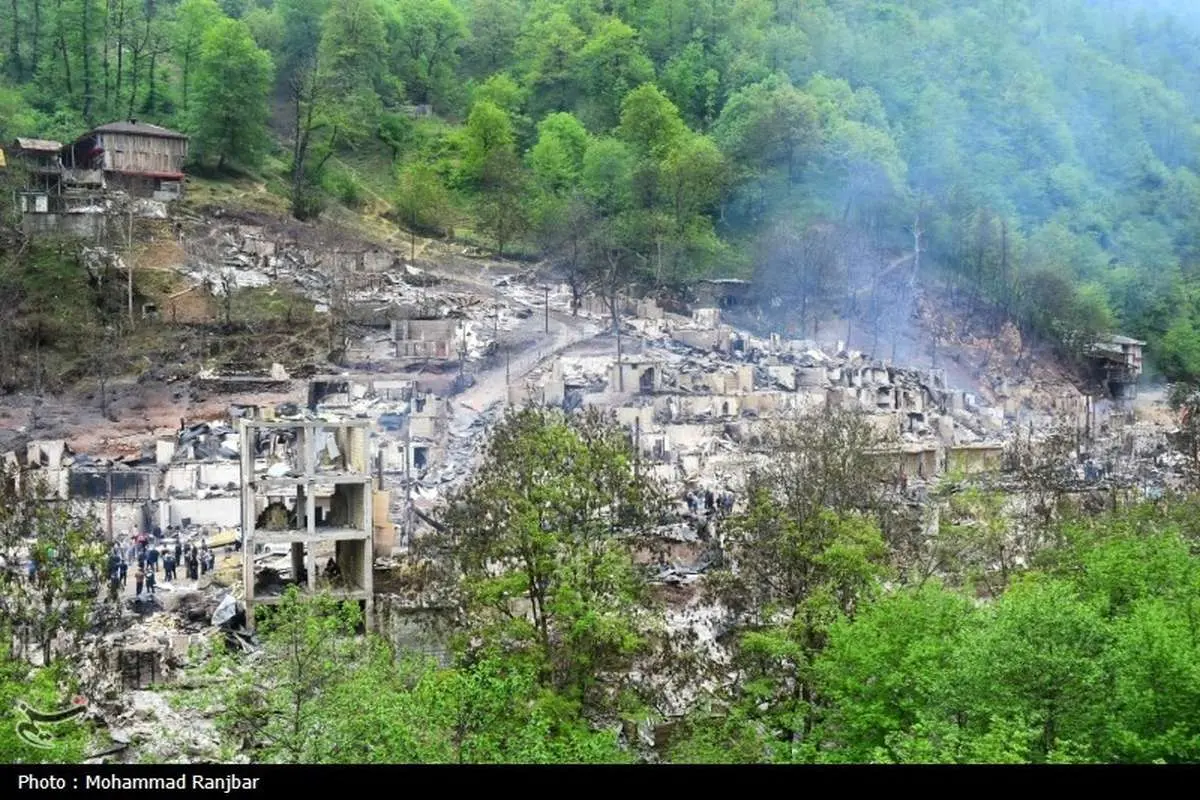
(414, 628)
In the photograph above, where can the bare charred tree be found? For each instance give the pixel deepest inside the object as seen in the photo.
(228, 287)
(103, 364)
(801, 268)
(1044, 469)
(1185, 401)
(975, 539)
(338, 314)
(564, 240)
(611, 266)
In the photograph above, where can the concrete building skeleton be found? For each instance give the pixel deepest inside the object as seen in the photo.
(286, 460)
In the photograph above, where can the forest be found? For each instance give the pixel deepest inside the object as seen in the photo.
(1042, 156)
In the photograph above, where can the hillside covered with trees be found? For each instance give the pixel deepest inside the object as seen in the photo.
(1045, 152)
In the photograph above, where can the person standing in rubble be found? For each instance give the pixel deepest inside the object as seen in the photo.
(114, 565)
(193, 570)
(709, 501)
(114, 576)
(124, 571)
(139, 581)
(151, 582)
(168, 566)
(178, 551)
(152, 559)
(141, 559)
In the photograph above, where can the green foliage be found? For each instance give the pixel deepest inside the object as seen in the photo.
(883, 673)
(607, 67)
(319, 693)
(422, 201)
(277, 710)
(491, 712)
(232, 82)
(807, 554)
(488, 136)
(1089, 661)
(556, 160)
(45, 689)
(193, 20)
(543, 540)
(425, 36)
(343, 185)
(63, 595)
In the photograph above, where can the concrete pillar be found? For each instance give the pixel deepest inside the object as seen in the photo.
(297, 560)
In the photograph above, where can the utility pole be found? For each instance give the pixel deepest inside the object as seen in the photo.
(408, 480)
(462, 355)
(129, 264)
(637, 444)
(546, 289)
(109, 504)
(621, 372)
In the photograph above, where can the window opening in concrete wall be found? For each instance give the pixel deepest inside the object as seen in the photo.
(646, 381)
(420, 457)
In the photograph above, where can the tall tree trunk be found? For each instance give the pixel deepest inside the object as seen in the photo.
(120, 49)
(14, 46)
(186, 69)
(85, 38)
(66, 60)
(1004, 291)
(151, 100)
(105, 66)
(135, 65)
(35, 39)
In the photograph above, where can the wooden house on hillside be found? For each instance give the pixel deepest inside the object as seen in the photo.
(43, 172)
(143, 159)
(1117, 363)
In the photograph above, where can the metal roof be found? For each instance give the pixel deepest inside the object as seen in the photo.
(40, 145)
(138, 129)
(1125, 340)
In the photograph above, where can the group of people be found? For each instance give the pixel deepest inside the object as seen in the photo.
(709, 502)
(144, 550)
